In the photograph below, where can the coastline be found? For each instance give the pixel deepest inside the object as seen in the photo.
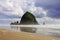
(11, 35)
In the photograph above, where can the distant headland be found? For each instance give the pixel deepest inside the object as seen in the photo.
(27, 19)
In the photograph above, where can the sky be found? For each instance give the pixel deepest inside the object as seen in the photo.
(47, 10)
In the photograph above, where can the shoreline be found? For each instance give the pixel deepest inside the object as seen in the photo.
(11, 35)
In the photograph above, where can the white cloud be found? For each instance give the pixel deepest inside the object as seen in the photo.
(41, 10)
(38, 11)
(11, 7)
(17, 7)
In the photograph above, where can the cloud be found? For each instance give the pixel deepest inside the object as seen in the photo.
(10, 7)
(53, 13)
(53, 7)
(2, 16)
(39, 12)
(18, 7)
(48, 3)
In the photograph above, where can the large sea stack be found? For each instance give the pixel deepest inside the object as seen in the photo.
(28, 18)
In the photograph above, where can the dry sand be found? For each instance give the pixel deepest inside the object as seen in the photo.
(10, 35)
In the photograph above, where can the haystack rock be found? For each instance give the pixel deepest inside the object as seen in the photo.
(28, 19)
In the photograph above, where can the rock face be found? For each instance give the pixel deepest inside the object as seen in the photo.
(28, 18)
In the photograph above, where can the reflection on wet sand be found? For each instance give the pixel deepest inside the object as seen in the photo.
(38, 29)
(24, 29)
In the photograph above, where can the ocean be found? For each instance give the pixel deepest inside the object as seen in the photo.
(53, 30)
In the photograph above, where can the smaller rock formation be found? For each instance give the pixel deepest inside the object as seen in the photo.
(14, 23)
(43, 23)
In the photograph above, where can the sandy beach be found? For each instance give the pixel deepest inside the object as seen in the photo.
(10, 35)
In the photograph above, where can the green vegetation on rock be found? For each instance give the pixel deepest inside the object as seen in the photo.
(28, 18)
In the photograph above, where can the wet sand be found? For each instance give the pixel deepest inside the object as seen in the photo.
(10, 35)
